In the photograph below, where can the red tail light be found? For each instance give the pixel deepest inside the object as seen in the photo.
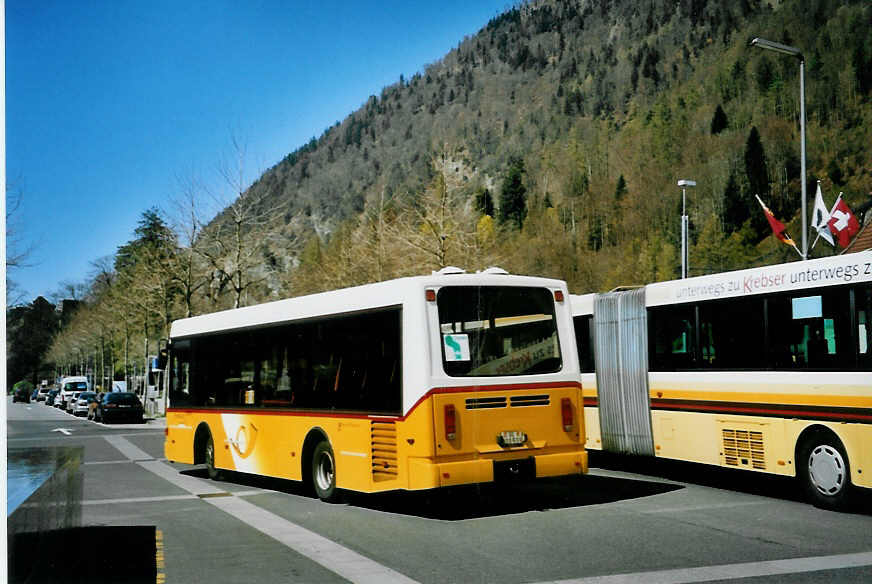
(566, 413)
(450, 422)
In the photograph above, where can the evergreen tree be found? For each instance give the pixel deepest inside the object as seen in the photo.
(29, 333)
(758, 178)
(735, 208)
(513, 194)
(484, 202)
(621, 188)
(152, 233)
(719, 121)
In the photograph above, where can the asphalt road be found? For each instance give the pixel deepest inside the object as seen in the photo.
(627, 521)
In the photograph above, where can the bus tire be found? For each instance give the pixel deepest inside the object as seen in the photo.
(209, 456)
(324, 472)
(824, 471)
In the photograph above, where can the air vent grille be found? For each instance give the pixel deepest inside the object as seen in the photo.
(480, 403)
(384, 451)
(744, 449)
(530, 400)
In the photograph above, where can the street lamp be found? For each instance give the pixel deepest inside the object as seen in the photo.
(794, 52)
(684, 183)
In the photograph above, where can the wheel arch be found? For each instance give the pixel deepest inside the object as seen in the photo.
(809, 433)
(201, 436)
(313, 437)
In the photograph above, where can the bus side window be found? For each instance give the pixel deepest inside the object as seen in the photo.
(810, 331)
(180, 368)
(731, 334)
(673, 346)
(584, 342)
(863, 300)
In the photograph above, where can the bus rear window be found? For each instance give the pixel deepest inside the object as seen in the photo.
(497, 331)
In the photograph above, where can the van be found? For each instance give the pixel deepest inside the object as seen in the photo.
(70, 385)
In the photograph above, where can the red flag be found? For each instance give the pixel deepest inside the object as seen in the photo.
(842, 223)
(776, 225)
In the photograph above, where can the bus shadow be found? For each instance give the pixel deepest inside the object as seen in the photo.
(741, 481)
(475, 501)
(495, 499)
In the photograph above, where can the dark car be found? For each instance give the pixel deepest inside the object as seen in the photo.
(117, 406)
(22, 394)
(50, 397)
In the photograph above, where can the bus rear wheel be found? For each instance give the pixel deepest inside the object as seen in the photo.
(324, 472)
(822, 467)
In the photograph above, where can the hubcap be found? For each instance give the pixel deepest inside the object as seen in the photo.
(324, 474)
(826, 468)
(210, 455)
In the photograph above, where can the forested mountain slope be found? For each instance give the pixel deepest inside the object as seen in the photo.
(606, 104)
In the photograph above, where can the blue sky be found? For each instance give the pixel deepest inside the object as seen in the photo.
(109, 103)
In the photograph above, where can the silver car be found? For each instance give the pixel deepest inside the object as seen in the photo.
(71, 402)
(83, 403)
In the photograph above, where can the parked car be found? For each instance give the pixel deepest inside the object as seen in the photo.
(21, 395)
(50, 397)
(69, 385)
(116, 406)
(83, 402)
(43, 393)
(71, 401)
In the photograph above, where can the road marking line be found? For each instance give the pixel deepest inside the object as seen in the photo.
(731, 571)
(125, 461)
(191, 484)
(128, 449)
(338, 559)
(129, 500)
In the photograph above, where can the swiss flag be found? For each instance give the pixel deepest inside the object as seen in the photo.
(842, 223)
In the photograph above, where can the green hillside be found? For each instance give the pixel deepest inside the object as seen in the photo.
(607, 104)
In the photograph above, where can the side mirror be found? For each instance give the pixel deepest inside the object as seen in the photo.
(162, 355)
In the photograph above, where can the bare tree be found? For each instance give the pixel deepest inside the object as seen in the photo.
(439, 227)
(233, 243)
(18, 251)
(188, 266)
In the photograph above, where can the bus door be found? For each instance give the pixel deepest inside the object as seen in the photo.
(621, 355)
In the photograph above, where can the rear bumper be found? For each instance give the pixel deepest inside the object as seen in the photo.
(425, 474)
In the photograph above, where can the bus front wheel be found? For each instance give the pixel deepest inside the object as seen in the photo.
(324, 472)
(209, 453)
(823, 469)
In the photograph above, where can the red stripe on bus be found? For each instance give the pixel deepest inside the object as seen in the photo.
(859, 415)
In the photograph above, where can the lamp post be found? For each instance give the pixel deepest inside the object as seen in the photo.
(684, 183)
(794, 52)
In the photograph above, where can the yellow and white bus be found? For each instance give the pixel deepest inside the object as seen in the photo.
(413, 383)
(767, 369)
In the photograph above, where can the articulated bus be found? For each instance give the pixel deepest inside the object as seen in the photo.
(409, 384)
(766, 369)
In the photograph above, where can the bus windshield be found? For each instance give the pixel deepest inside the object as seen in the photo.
(498, 331)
